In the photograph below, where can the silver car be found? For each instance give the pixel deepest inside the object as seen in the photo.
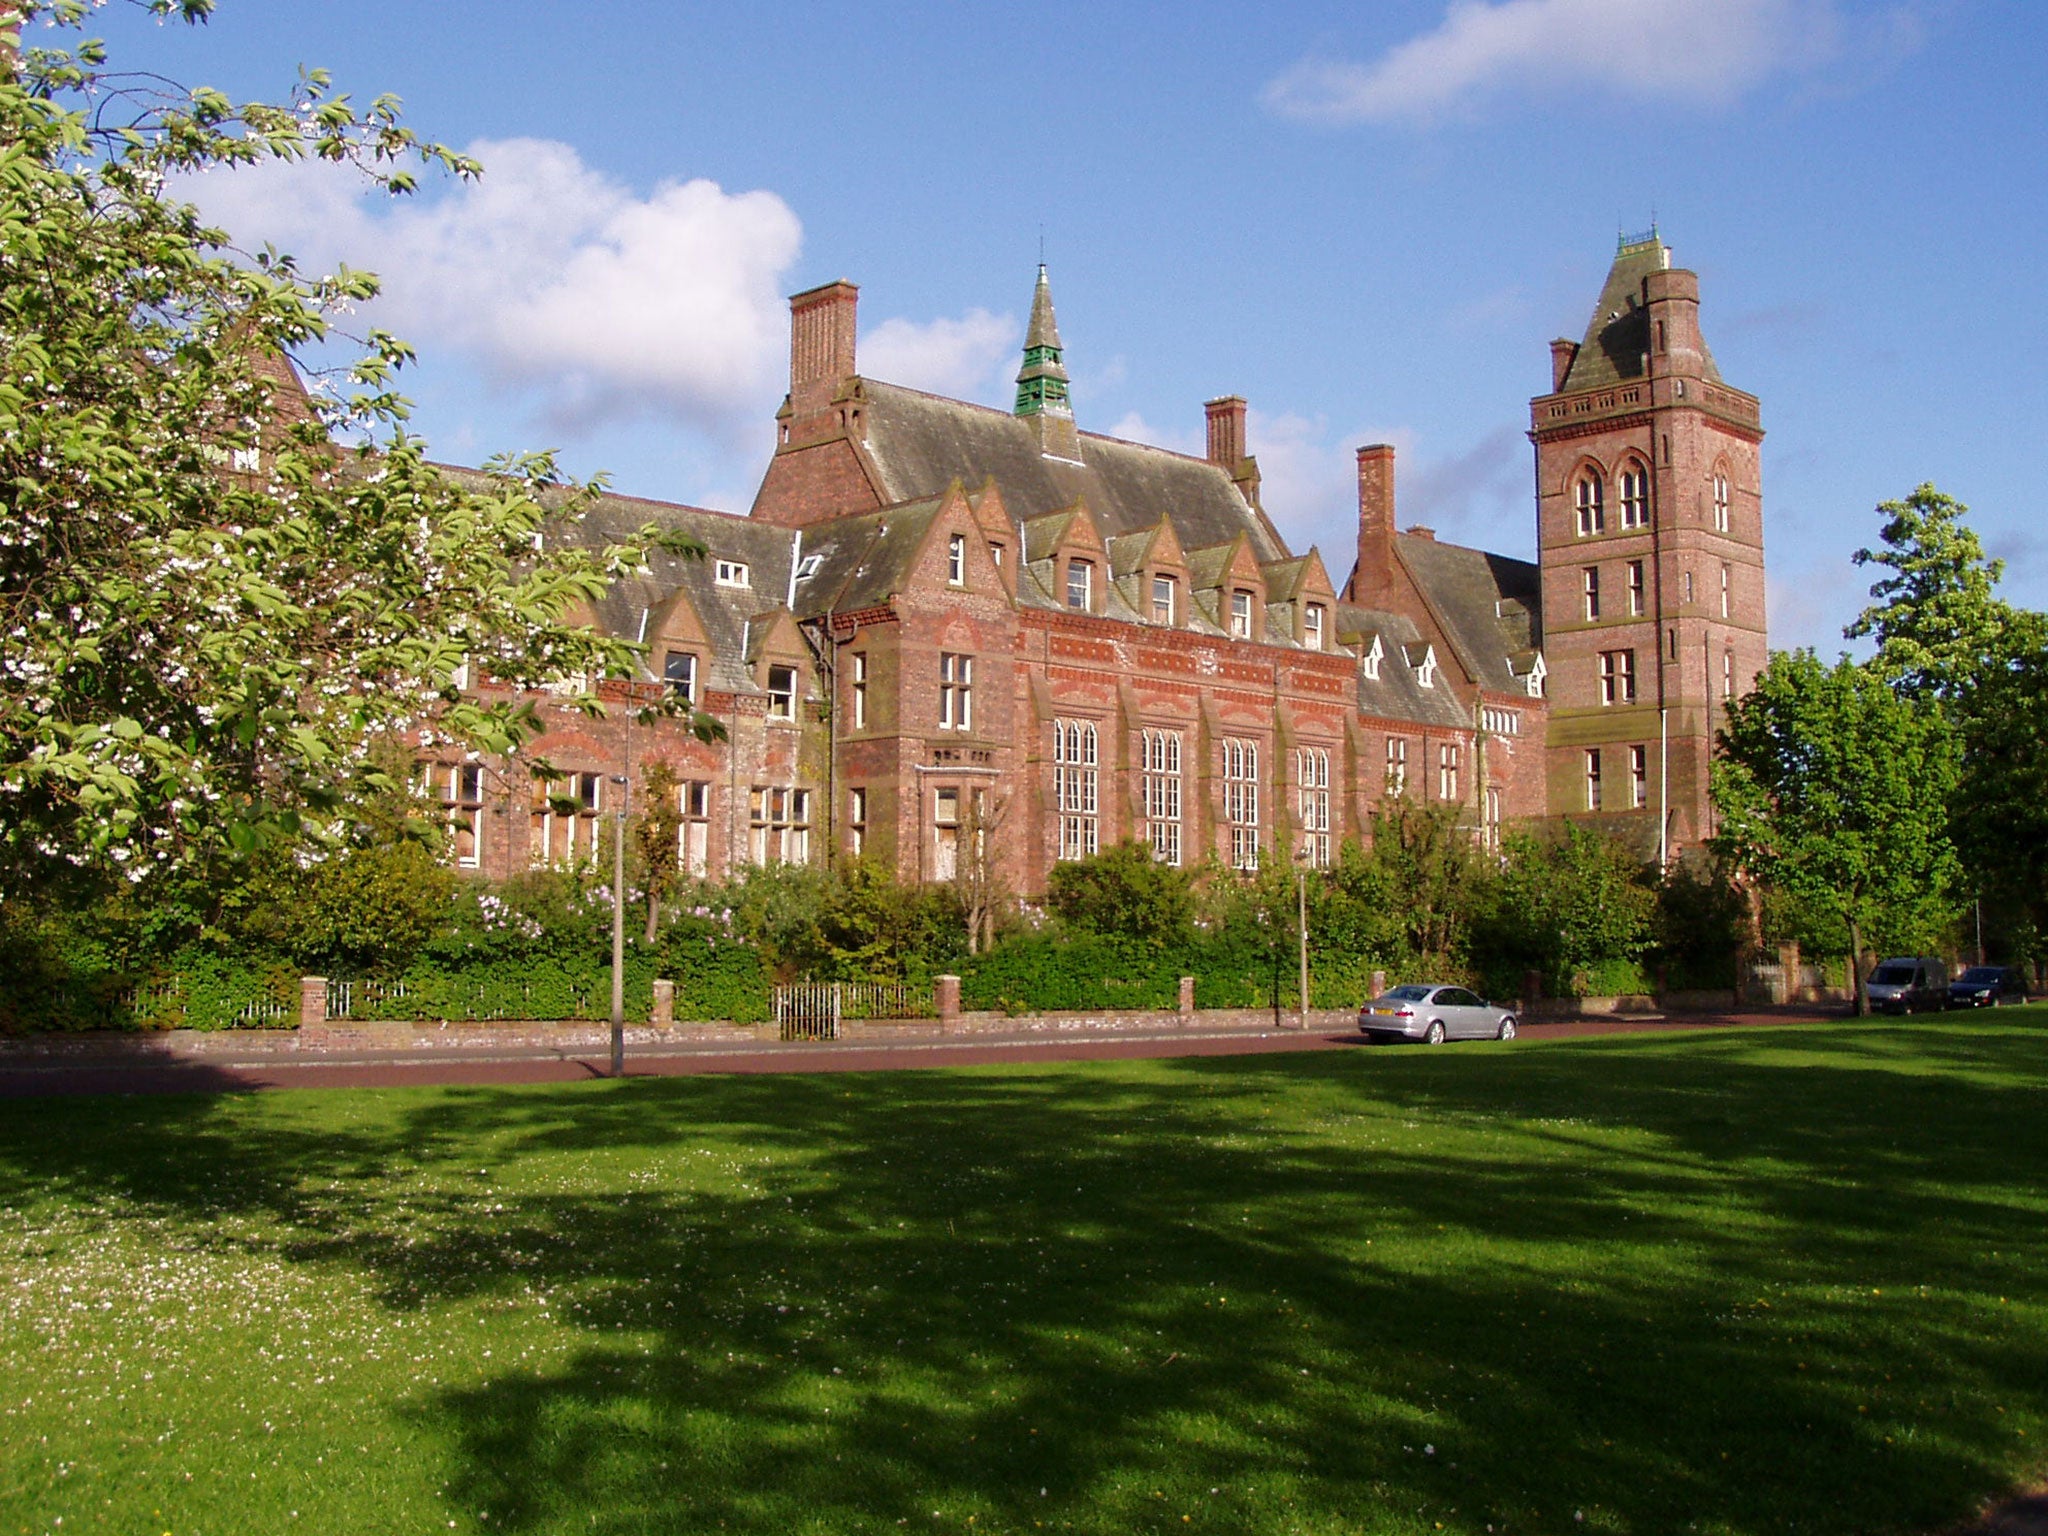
(1434, 1013)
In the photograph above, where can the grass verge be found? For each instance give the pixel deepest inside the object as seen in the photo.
(1782, 1280)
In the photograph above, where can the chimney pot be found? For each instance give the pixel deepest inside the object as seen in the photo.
(1226, 431)
(821, 340)
(1563, 353)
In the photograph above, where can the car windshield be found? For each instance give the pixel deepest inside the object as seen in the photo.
(1892, 975)
(1982, 975)
(1410, 994)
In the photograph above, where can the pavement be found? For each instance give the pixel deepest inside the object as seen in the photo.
(259, 1060)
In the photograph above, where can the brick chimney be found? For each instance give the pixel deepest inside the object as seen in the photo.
(1226, 432)
(1563, 353)
(1372, 578)
(821, 336)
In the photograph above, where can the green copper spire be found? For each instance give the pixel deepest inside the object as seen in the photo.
(1042, 382)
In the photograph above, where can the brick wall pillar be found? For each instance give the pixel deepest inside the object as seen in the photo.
(312, 1001)
(664, 1003)
(946, 998)
(1187, 998)
(1379, 983)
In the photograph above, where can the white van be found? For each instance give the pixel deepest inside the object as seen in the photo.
(1906, 984)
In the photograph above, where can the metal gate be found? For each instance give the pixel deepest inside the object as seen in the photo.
(812, 1010)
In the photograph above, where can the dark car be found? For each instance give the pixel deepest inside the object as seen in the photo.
(1434, 1013)
(1987, 986)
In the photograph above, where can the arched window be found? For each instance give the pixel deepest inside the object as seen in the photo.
(1721, 498)
(1590, 498)
(1635, 496)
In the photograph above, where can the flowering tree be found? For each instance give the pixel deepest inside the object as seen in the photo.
(217, 590)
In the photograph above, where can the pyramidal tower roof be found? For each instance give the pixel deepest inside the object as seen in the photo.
(1618, 335)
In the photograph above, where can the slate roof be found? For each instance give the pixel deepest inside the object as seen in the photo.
(862, 561)
(1618, 335)
(921, 443)
(1395, 694)
(1486, 604)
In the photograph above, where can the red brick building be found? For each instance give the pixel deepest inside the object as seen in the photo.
(959, 639)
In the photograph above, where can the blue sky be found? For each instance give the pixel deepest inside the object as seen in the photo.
(1368, 219)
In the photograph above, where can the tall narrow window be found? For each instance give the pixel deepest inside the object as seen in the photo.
(956, 560)
(1688, 587)
(1241, 800)
(1312, 626)
(945, 833)
(1617, 677)
(1725, 573)
(1727, 674)
(860, 690)
(956, 692)
(1312, 782)
(1590, 584)
(857, 821)
(1241, 614)
(693, 837)
(1447, 771)
(1162, 794)
(1163, 604)
(462, 803)
(1635, 497)
(1639, 777)
(1720, 503)
(1592, 778)
(1397, 765)
(1635, 589)
(995, 554)
(1492, 816)
(565, 819)
(1074, 762)
(679, 671)
(1589, 498)
(782, 693)
(780, 824)
(1080, 585)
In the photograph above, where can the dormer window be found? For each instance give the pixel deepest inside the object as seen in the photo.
(679, 671)
(1374, 654)
(782, 693)
(1537, 670)
(1590, 498)
(1241, 614)
(956, 560)
(1163, 604)
(731, 573)
(995, 553)
(1312, 626)
(1081, 585)
(1425, 668)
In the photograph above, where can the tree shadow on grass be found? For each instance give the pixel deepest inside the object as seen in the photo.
(1730, 1281)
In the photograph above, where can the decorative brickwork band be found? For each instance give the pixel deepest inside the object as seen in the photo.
(946, 999)
(664, 1003)
(312, 1001)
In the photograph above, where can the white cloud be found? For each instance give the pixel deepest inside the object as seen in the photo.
(1686, 50)
(947, 357)
(553, 279)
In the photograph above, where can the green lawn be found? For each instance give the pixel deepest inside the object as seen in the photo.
(1784, 1280)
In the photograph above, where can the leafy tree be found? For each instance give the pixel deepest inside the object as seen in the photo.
(657, 836)
(1566, 905)
(2001, 812)
(1936, 618)
(1125, 893)
(1432, 876)
(1836, 788)
(217, 592)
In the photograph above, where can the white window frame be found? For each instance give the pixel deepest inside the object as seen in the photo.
(681, 679)
(956, 560)
(1721, 503)
(1075, 756)
(1637, 592)
(1639, 776)
(460, 789)
(1370, 661)
(565, 838)
(1241, 801)
(956, 692)
(1618, 677)
(1448, 761)
(857, 820)
(860, 690)
(1727, 576)
(693, 832)
(1397, 765)
(782, 699)
(1081, 584)
(946, 823)
(1240, 613)
(1589, 500)
(779, 824)
(1589, 589)
(1635, 496)
(1592, 778)
(1312, 626)
(1162, 794)
(1165, 600)
(1312, 791)
(731, 573)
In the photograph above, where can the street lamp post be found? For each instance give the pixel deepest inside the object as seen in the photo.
(1301, 894)
(625, 786)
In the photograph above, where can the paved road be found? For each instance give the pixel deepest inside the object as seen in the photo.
(346, 1068)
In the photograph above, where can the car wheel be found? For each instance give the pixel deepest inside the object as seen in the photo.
(1435, 1036)
(1507, 1029)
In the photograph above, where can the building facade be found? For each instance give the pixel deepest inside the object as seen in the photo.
(970, 643)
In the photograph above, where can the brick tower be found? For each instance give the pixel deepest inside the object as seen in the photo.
(1649, 528)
